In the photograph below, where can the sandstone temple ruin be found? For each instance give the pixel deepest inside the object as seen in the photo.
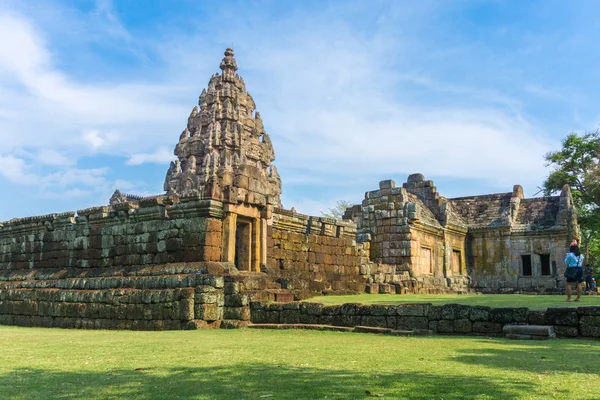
(219, 238)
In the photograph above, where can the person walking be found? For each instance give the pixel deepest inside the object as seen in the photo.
(574, 271)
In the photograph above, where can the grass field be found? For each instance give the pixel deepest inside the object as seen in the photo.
(492, 300)
(37, 363)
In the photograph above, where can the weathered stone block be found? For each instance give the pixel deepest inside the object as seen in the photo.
(561, 316)
(415, 310)
(231, 287)
(309, 319)
(208, 312)
(537, 330)
(445, 326)
(509, 315)
(588, 310)
(258, 315)
(433, 326)
(487, 327)
(236, 300)
(311, 308)
(372, 288)
(377, 310)
(237, 313)
(463, 325)
(290, 316)
(435, 313)
(479, 314)
(590, 320)
(536, 317)
(412, 322)
(455, 311)
(330, 310)
(589, 330)
(349, 308)
(566, 331)
(209, 298)
(377, 321)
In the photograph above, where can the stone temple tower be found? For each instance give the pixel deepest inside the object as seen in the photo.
(224, 152)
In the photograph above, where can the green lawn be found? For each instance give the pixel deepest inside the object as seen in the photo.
(492, 300)
(37, 363)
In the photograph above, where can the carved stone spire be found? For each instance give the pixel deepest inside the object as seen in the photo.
(225, 153)
(228, 66)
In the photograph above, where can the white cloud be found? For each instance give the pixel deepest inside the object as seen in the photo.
(73, 176)
(307, 206)
(101, 140)
(16, 170)
(346, 119)
(64, 104)
(338, 101)
(161, 156)
(65, 194)
(53, 158)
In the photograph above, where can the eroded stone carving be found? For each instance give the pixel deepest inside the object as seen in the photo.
(225, 152)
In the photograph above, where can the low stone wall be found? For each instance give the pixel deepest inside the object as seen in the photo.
(176, 296)
(447, 319)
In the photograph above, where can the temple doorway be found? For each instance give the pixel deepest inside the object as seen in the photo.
(243, 245)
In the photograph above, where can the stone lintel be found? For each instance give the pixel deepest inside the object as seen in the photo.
(197, 208)
(243, 210)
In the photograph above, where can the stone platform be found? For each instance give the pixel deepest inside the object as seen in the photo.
(529, 332)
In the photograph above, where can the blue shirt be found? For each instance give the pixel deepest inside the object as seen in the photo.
(573, 261)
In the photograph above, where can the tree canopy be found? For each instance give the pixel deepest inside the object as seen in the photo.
(577, 164)
(338, 210)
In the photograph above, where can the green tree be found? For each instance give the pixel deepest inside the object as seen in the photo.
(576, 164)
(338, 210)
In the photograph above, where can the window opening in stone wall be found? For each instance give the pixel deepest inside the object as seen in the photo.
(526, 261)
(456, 262)
(425, 264)
(545, 261)
(243, 245)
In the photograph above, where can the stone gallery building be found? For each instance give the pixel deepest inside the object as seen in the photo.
(219, 238)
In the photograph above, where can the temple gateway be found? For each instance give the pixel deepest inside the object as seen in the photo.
(219, 238)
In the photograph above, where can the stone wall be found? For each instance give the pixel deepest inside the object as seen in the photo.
(162, 297)
(446, 319)
(174, 296)
(505, 227)
(148, 265)
(403, 227)
(153, 234)
(477, 242)
(497, 260)
(314, 254)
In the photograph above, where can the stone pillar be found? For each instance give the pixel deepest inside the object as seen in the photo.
(229, 230)
(255, 251)
(263, 241)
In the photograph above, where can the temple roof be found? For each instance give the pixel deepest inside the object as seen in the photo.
(224, 152)
(485, 210)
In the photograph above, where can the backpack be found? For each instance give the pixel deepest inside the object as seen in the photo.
(571, 271)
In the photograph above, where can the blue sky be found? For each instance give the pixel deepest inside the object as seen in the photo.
(94, 95)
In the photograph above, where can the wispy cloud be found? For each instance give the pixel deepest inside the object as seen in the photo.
(161, 156)
(346, 90)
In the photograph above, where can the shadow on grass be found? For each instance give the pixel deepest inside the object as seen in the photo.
(539, 357)
(251, 381)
